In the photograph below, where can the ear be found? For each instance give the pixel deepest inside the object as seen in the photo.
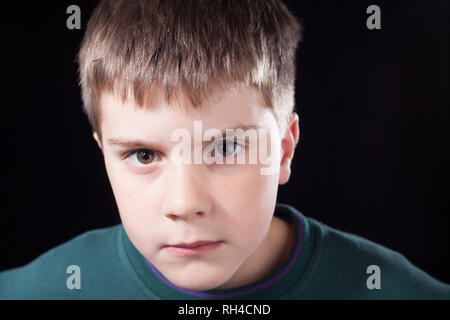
(98, 140)
(288, 143)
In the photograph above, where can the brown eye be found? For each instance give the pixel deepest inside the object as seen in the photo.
(145, 157)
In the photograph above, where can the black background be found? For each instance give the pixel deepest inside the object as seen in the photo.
(373, 157)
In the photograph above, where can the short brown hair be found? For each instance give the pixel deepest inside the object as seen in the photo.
(186, 46)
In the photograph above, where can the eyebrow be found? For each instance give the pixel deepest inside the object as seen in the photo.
(138, 143)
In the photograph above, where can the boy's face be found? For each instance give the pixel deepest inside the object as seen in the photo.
(163, 202)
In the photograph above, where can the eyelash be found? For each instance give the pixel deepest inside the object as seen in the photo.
(130, 153)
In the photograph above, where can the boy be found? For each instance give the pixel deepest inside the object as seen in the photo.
(197, 221)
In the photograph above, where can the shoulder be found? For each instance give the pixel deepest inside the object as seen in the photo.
(46, 276)
(368, 270)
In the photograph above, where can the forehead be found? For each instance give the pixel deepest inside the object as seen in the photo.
(220, 109)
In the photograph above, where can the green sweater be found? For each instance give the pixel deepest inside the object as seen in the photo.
(324, 263)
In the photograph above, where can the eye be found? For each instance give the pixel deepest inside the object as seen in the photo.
(226, 148)
(141, 158)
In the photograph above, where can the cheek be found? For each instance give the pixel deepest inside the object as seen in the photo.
(135, 196)
(121, 185)
(250, 198)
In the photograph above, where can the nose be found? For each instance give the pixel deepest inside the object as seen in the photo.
(186, 195)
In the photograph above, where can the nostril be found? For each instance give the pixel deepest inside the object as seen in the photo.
(186, 216)
(172, 216)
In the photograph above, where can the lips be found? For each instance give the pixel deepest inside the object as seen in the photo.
(195, 244)
(193, 248)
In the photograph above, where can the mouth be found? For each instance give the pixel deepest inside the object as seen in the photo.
(188, 249)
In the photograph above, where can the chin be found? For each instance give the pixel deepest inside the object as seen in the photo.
(201, 283)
